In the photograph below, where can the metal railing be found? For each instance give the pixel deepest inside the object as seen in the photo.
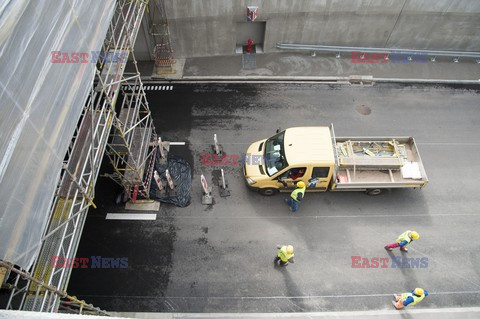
(432, 54)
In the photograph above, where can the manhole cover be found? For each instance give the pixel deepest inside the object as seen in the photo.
(363, 109)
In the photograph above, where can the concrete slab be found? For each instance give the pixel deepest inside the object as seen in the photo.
(444, 313)
(296, 65)
(177, 71)
(143, 205)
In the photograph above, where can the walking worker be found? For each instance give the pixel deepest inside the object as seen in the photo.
(409, 298)
(284, 255)
(296, 197)
(403, 240)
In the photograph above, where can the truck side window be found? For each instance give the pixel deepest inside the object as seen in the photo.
(295, 173)
(320, 172)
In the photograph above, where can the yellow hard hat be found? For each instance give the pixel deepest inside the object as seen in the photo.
(290, 249)
(414, 235)
(418, 291)
(301, 184)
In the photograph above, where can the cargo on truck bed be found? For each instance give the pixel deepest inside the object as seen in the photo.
(379, 162)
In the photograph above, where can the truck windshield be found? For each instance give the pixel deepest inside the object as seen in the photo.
(275, 159)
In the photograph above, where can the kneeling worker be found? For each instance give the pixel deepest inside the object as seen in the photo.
(409, 298)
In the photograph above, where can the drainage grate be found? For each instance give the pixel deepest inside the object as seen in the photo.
(249, 61)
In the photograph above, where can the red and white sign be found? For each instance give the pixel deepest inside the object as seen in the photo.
(204, 184)
(169, 179)
(158, 180)
(252, 13)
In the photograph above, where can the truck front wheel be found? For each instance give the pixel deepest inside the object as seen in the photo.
(374, 191)
(268, 191)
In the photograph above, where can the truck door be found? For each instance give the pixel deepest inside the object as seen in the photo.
(320, 178)
(291, 177)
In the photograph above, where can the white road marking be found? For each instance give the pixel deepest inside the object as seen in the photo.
(131, 216)
(290, 297)
(328, 216)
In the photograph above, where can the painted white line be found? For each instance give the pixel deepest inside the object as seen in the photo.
(177, 143)
(320, 217)
(156, 87)
(280, 297)
(132, 216)
(171, 88)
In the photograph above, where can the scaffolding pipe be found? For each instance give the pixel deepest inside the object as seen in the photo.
(52, 289)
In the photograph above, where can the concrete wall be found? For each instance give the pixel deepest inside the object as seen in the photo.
(208, 27)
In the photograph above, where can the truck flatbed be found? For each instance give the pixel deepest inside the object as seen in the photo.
(377, 162)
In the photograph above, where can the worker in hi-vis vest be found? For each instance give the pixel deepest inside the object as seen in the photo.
(284, 255)
(403, 240)
(409, 298)
(296, 197)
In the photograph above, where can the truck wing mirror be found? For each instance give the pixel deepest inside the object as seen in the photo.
(279, 130)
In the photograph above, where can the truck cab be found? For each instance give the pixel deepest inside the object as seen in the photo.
(278, 163)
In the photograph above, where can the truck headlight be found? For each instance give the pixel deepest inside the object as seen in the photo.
(250, 181)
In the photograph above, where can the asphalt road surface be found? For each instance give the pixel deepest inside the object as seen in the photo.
(219, 258)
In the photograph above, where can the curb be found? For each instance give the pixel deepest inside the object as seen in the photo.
(353, 79)
(467, 312)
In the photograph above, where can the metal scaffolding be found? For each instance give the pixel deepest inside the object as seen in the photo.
(160, 36)
(131, 147)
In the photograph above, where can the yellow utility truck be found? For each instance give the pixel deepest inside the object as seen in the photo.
(324, 162)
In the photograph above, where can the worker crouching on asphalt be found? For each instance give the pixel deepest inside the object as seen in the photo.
(403, 240)
(409, 298)
(296, 197)
(284, 255)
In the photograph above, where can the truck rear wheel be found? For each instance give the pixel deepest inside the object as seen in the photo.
(268, 191)
(374, 191)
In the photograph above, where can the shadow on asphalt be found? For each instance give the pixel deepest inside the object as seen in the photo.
(292, 290)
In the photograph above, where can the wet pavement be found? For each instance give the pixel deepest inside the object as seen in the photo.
(219, 258)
